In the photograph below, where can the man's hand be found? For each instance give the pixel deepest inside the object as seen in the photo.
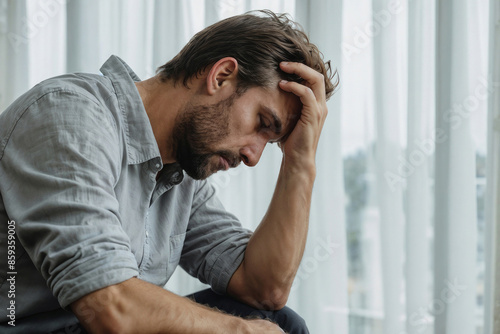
(301, 145)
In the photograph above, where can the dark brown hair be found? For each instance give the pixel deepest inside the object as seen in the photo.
(259, 41)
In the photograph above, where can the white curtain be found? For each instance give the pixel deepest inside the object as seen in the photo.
(398, 239)
(492, 283)
(455, 212)
(420, 102)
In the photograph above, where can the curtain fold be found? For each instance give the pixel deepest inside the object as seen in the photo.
(455, 230)
(387, 151)
(96, 29)
(420, 147)
(4, 45)
(49, 18)
(492, 281)
(83, 53)
(322, 19)
(16, 41)
(174, 23)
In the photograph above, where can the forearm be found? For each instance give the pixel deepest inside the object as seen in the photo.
(275, 250)
(136, 306)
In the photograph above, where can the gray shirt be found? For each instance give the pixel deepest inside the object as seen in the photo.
(78, 166)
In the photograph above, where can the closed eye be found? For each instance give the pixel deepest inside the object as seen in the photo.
(263, 124)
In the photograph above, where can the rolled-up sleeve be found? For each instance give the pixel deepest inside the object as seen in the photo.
(60, 161)
(215, 240)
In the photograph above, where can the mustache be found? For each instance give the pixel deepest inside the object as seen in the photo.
(232, 158)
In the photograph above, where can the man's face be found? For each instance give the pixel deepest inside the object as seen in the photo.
(218, 136)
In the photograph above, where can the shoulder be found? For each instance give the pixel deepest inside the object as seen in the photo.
(78, 93)
(91, 87)
(77, 103)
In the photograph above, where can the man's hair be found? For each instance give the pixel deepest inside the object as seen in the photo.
(259, 41)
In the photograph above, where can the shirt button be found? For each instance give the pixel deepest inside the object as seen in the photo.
(147, 234)
(157, 166)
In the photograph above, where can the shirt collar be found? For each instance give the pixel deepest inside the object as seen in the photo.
(141, 142)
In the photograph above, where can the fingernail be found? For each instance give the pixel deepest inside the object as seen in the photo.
(284, 63)
(283, 81)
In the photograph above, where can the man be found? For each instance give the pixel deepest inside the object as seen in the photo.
(94, 199)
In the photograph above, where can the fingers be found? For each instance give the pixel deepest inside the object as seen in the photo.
(314, 79)
(305, 93)
(308, 98)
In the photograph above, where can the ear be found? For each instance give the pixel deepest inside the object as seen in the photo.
(222, 74)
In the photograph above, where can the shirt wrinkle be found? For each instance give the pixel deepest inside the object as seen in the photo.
(135, 225)
(30, 104)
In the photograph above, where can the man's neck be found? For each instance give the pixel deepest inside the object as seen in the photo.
(163, 101)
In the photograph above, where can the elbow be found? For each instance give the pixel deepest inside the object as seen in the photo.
(276, 291)
(273, 293)
(263, 291)
(273, 299)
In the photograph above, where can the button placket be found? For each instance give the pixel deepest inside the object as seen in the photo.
(146, 257)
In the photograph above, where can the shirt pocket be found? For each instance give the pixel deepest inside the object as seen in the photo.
(176, 244)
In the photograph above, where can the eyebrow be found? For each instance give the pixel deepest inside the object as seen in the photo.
(278, 125)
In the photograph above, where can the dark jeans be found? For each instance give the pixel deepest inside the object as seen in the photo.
(286, 318)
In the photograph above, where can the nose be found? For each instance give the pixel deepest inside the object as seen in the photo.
(251, 153)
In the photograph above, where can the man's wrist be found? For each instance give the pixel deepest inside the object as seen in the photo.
(299, 168)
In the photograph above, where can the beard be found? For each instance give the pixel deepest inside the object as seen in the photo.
(197, 129)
